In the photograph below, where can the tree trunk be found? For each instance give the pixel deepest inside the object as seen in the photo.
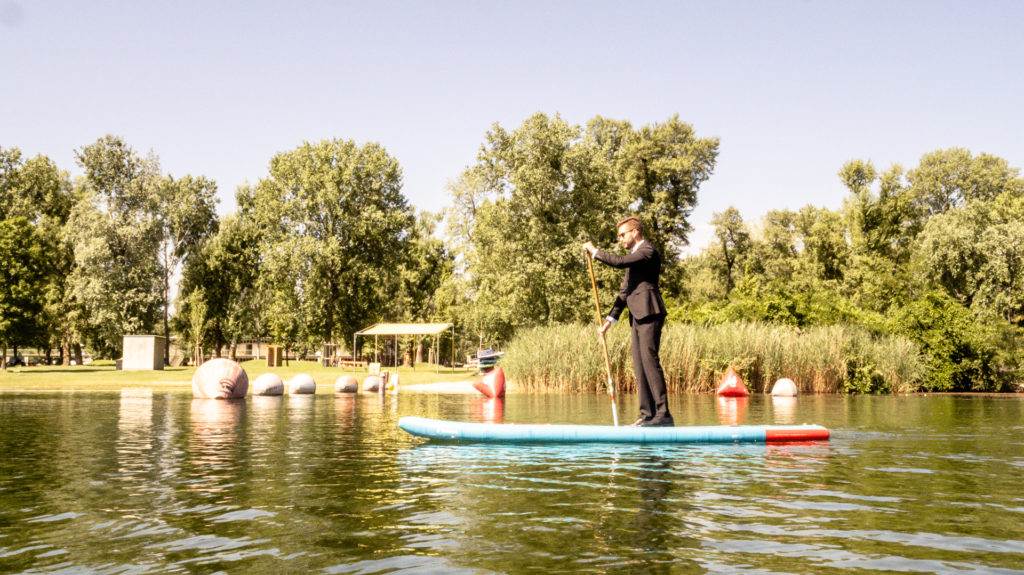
(3, 358)
(78, 353)
(167, 292)
(47, 354)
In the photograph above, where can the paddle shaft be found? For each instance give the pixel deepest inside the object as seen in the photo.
(604, 343)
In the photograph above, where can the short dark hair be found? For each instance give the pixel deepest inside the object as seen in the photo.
(631, 223)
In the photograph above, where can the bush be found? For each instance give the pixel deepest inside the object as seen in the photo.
(959, 350)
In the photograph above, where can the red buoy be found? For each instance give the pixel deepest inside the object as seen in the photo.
(732, 385)
(493, 384)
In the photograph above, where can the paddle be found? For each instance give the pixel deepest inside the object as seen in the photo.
(604, 343)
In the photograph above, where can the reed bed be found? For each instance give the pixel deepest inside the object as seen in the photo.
(825, 359)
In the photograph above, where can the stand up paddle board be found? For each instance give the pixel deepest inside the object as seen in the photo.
(532, 433)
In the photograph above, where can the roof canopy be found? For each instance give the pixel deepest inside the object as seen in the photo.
(405, 329)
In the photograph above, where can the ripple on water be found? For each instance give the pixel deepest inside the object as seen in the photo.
(163, 484)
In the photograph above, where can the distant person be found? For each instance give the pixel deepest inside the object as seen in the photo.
(640, 293)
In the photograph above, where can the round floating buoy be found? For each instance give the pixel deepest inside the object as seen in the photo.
(268, 384)
(371, 383)
(220, 379)
(346, 384)
(732, 385)
(493, 384)
(301, 384)
(784, 386)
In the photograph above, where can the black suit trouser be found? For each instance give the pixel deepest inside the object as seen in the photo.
(650, 379)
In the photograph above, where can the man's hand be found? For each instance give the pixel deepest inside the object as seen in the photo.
(604, 326)
(590, 249)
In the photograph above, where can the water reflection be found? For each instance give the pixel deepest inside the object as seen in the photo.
(217, 438)
(654, 524)
(135, 427)
(135, 412)
(214, 421)
(488, 410)
(345, 409)
(136, 482)
(732, 410)
(783, 409)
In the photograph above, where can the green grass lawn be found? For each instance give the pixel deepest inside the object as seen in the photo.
(100, 376)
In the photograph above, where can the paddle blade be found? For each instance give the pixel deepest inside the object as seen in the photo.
(493, 384)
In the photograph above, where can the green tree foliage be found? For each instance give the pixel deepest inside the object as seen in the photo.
(536, 193)
(881, 224)
(335, 231)
(658, 169)
(116, 237)
(22, 279)
(38, 191)
(959, 351)
(732, 243)
(226, 268)
(935, 254)
(947, 179)
(186, 215)
(197, 322)
(427, 265)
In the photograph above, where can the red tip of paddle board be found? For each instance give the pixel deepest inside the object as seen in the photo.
(493, 384)
(808, 434)
(732, 385)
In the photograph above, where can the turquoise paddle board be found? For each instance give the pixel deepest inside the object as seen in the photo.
(533, 433)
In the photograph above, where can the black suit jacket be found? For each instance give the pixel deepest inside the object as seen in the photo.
(639, 291)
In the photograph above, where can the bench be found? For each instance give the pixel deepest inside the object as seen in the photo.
(352, 363)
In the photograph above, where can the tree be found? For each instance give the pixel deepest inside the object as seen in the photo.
(226, 268)
(733, 242)
(774, 252)
(958, 348)
(824, 252)
(882, 224)
(117, 274)
(428, 262)
(22, 279)
(947, 179)
(660, 169)
(537, 193)
(185, 214)
(40, 192)
(336, 228)
(974, 254)
(197, 323)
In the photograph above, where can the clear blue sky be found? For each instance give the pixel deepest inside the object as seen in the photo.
(793, 88)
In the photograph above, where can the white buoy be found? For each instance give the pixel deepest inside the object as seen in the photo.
(220, 379)
(371, 383)
(301, 383)
(785, 387)
(346, 384)
(268, 384)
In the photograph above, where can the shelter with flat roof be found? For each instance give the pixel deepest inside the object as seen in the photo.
(407, 329)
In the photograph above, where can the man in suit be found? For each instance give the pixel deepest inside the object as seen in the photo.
(640, 293)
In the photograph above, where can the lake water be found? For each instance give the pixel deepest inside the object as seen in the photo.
(139, 482)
